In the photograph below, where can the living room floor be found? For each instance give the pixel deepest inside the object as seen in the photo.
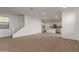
(44, 42)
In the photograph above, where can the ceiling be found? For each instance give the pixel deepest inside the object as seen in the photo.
(44, 13)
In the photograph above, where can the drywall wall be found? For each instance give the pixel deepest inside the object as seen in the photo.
(77, 25)
(5, 32)
(70, 25)
(32, 26)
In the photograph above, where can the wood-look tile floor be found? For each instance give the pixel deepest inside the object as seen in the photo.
(45, 42)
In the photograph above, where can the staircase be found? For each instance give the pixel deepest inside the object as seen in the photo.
(18, 27)
(17, 23)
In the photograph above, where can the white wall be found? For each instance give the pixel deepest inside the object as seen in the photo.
(70, 25)
(77, 25)
(32, 26)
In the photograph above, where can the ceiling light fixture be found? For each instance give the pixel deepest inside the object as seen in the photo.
(31, 9)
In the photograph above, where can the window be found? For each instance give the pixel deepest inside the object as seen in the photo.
(4, 22)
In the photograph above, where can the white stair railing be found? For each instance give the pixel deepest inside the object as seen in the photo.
(18, 27)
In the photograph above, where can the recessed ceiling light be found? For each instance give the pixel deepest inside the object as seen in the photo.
(44, 13)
